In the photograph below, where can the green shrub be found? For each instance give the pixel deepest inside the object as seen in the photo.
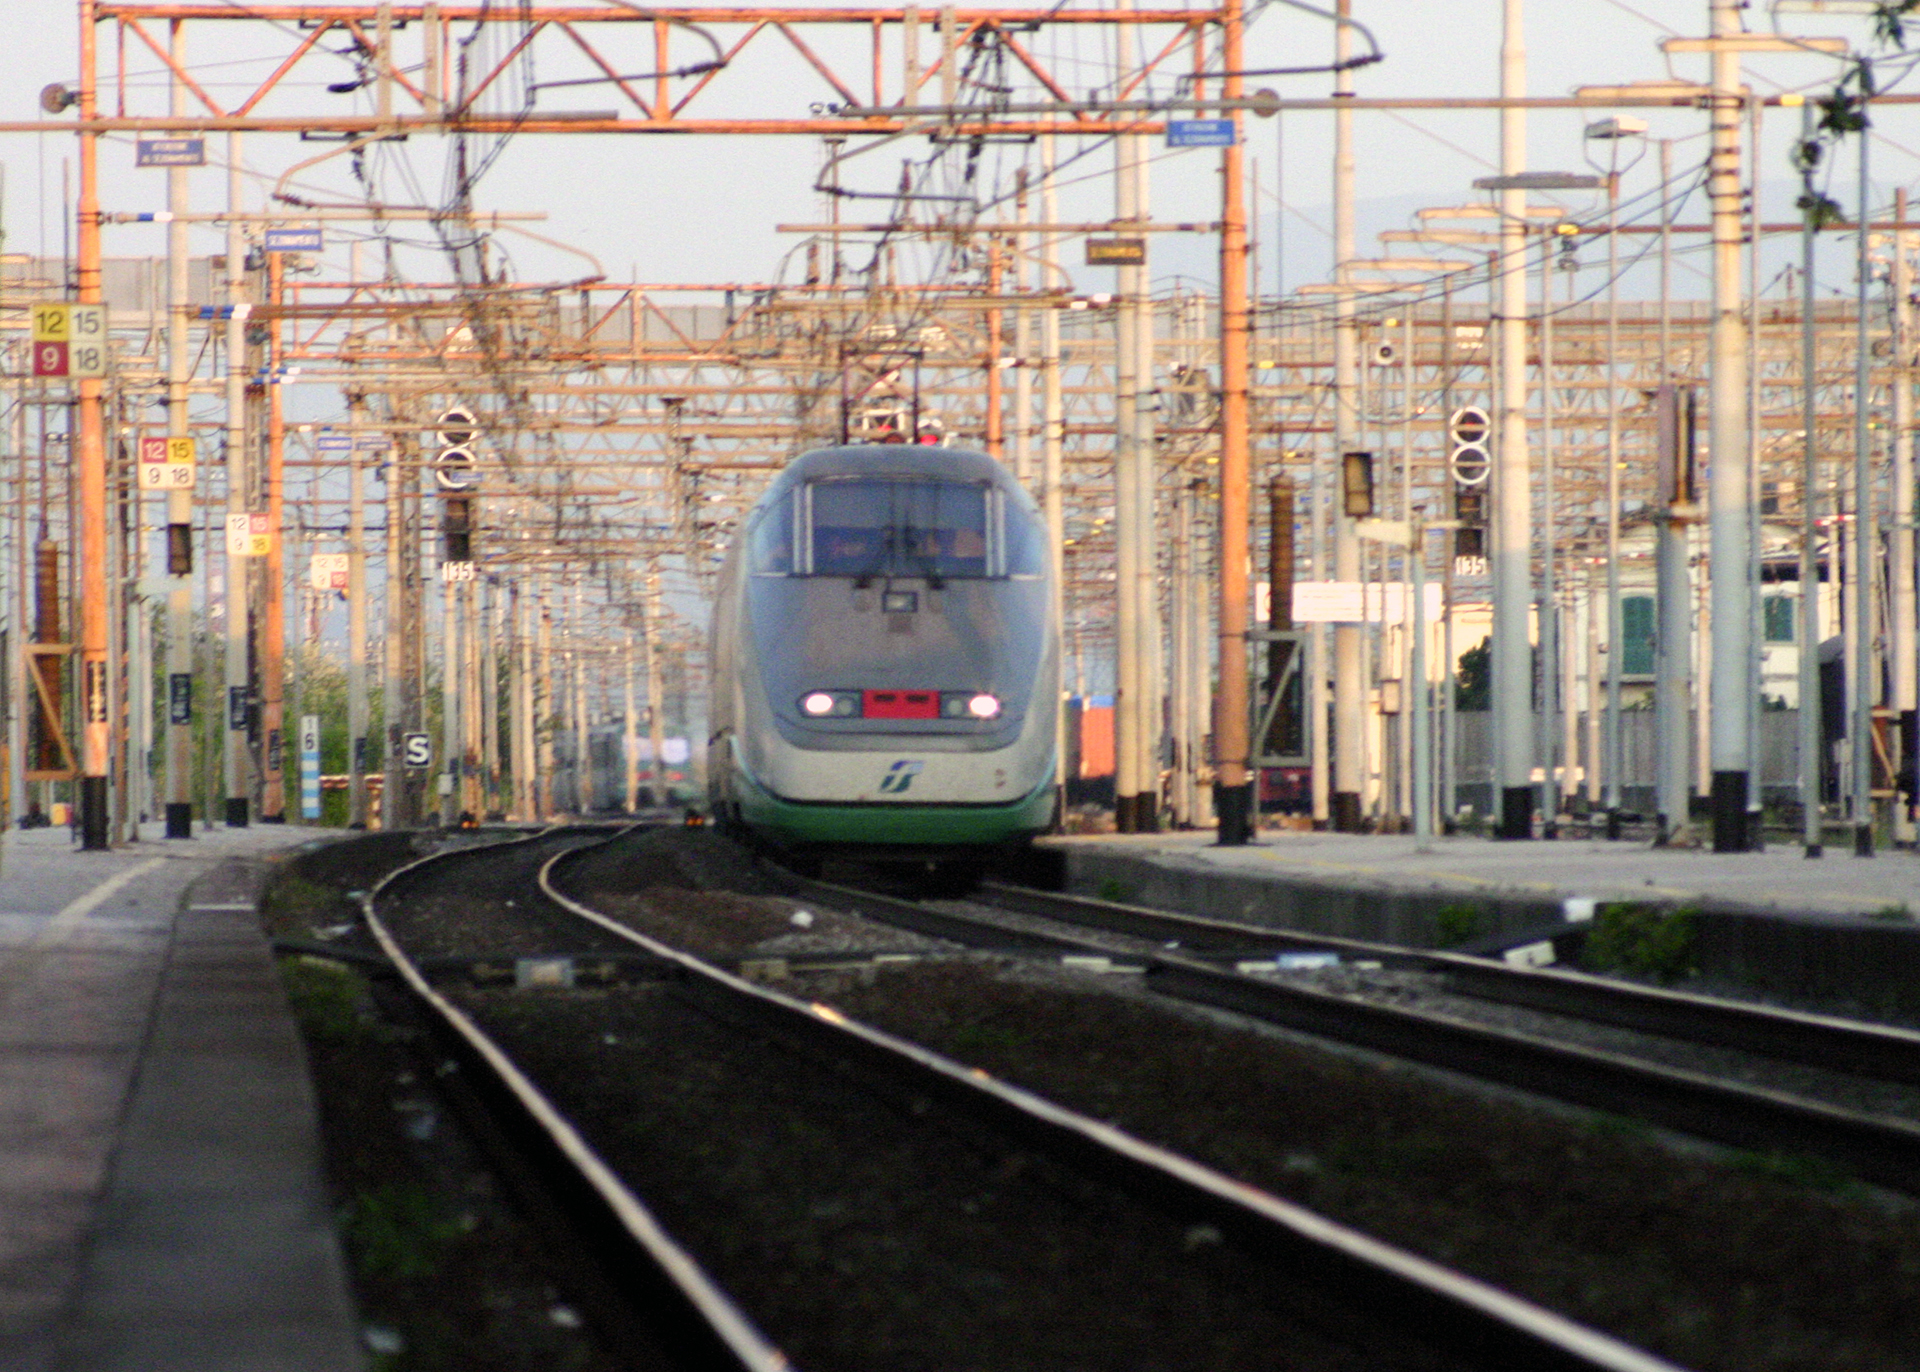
(1643, 941)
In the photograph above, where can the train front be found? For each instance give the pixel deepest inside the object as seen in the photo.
(894, 667)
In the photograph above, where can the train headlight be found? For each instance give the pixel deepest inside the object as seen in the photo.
(969, 705)
(830, 704)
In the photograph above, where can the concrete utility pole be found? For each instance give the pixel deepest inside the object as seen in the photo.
(394, 810)
(179, 503)
(1349, 681)
(629, 732)
(1509, 554)
(656, 689)
(356, 620)
(1146, 579)
(1729, 543)
(271, 651)
(1053, 444)
(1233, 788)
(1615, 742)
(1812, 773)
(1131, 541)
(1022, 337)
(1673, 651)
(489, 593)
(520, 694)
(1861, 683)
(452, 735)
(1904, 656)
(238, 768)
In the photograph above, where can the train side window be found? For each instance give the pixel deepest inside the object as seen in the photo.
(770, 545)
(1023, 550)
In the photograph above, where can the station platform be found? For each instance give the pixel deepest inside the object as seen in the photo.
(1836, 927)
(162, 1203)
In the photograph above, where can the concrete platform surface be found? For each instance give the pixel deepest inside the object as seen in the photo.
(162, 1204)
(1780, 880)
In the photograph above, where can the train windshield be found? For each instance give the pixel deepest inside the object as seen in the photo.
(863, 527)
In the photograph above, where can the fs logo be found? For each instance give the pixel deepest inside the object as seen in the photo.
(899, 777)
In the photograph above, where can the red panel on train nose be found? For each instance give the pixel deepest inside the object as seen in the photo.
(900, 704)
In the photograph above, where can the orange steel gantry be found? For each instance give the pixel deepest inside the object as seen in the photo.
(666, 66)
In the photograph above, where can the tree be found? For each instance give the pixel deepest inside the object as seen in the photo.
(1474, 681)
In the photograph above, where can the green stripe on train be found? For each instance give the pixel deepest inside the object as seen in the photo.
(883, 823)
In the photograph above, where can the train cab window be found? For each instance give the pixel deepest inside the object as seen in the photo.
(770, 544)
(863, 527)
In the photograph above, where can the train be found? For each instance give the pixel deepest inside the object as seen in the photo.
(885, 665)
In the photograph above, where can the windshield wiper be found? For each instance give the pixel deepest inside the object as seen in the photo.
(929, 562)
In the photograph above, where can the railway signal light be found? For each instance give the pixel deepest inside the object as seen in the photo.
(456, 528)
(1469, 428)
(1356, 485)
(453, 465)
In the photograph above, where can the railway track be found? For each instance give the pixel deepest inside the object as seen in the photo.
(1332, 1296)
(650, 1290)
(1230, 965)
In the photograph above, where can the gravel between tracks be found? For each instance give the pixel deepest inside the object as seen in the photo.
(863, 1235)
(1430, 993)
(862, 1232)
(1716, 1264)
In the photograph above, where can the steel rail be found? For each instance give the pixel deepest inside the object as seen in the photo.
(1480, 1324)
(1873, 1147)
(638, 1257)
(1813, 1040)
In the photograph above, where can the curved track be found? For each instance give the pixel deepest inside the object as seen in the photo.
(1460, 1321)
(692, 1322)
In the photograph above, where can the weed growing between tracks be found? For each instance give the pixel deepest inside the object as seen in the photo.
(447, 1277)
(1455, 924)
(1642, 941)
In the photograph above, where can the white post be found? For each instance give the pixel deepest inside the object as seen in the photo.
(1730, 615)
(1904, 655)
(238, 770)
(1349, 680)
(1510, 542)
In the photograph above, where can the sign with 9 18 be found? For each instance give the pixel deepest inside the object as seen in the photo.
(249, 535)
(166, 464)
(69, 340)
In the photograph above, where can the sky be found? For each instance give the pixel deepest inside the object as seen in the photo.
(703, 209)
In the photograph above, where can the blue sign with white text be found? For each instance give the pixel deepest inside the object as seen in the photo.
(1199, 133)
(170, 152)
(294, 240)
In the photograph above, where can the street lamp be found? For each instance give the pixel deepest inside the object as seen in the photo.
(1613, 131)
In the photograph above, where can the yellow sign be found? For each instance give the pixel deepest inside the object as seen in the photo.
(52, 323)
(1116, 252)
